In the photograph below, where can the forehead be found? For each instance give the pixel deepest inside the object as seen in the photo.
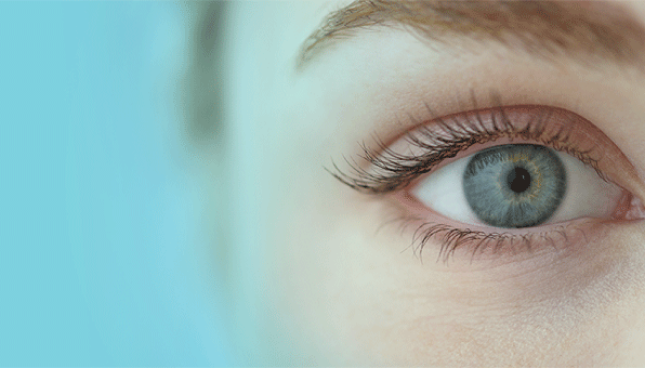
(275, 29)
(288, 23)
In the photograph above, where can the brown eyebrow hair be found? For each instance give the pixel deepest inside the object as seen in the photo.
(582, 30)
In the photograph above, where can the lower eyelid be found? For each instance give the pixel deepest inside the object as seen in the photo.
(444, 240)
(439, 238)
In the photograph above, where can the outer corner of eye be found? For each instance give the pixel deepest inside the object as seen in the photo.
(518, 186)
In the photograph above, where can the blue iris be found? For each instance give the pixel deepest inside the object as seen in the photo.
(515, 185)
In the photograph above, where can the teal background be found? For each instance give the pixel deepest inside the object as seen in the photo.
(99, 257)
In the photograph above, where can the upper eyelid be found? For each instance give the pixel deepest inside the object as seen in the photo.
(621, 169)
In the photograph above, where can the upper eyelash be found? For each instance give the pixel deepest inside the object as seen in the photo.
(391, 171)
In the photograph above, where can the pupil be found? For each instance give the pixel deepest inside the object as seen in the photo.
(519, 180)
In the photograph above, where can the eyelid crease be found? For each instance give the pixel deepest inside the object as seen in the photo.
(390, 168)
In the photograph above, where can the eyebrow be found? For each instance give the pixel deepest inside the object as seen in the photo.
(582, 31)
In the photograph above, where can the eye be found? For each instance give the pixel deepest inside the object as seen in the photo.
(517, 186)
(502, 177)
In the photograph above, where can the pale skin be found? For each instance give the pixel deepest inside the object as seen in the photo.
(313, 280)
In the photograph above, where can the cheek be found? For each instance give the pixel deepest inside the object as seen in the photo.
(326, 276)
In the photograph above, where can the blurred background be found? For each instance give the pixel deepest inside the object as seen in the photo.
(100, 259)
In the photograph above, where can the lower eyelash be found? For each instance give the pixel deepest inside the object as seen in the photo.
(480, 242)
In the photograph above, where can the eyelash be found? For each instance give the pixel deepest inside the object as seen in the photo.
(397, 170)
(454, 238)
(394, 172)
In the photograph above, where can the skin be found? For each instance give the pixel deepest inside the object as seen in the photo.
(311, 279)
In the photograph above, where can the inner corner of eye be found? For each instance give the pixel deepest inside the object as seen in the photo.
(517, 186)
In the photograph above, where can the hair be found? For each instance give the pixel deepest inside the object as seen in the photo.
(202, 85)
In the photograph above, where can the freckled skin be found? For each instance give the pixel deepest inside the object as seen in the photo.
(317, 277)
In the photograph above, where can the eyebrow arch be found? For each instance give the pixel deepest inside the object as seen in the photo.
(584, 31)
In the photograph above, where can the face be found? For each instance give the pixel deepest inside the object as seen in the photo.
(428, 192)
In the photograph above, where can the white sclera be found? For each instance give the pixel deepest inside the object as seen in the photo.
(587, 194)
